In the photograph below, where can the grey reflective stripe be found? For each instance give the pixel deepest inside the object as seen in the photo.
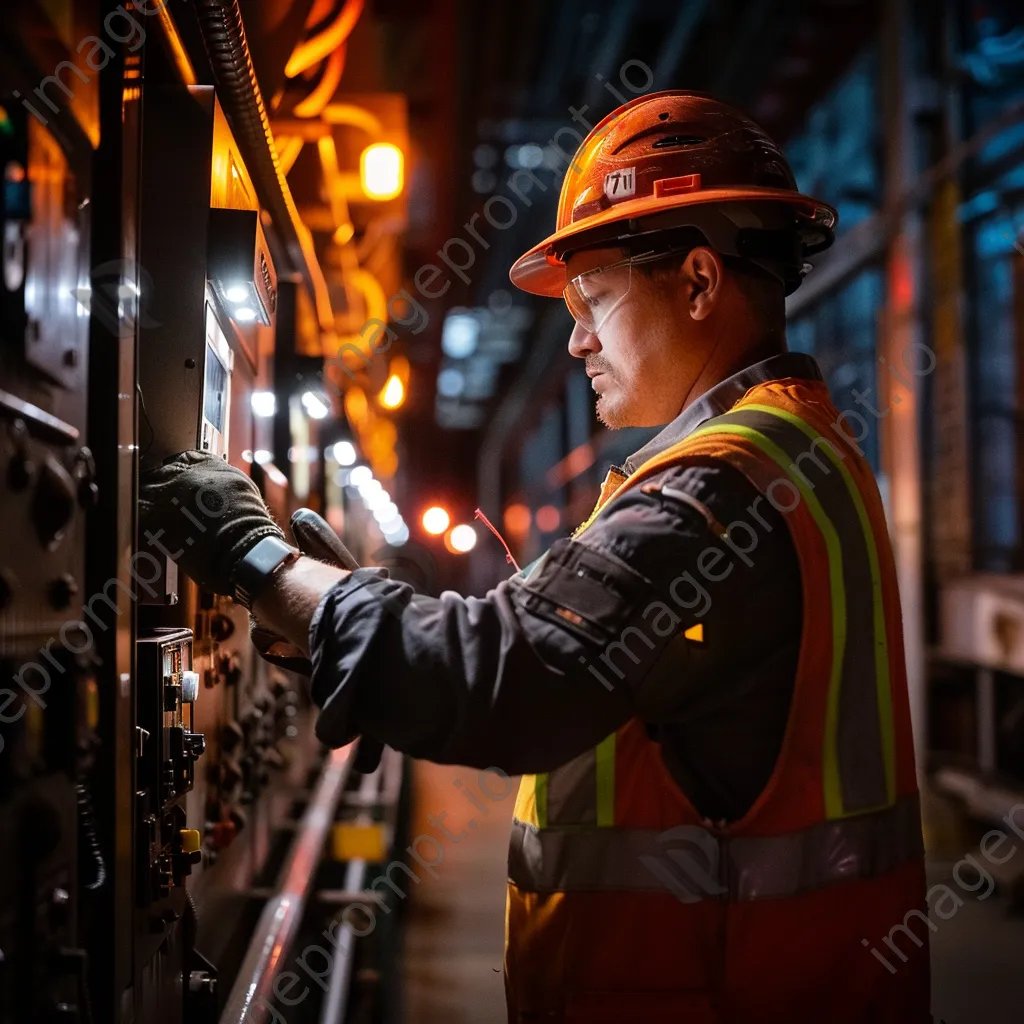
(858, 739)
(572, 791)
(691, 864)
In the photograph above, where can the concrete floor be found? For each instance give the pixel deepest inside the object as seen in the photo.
(455, 938)
(453, 945)
(977, 958)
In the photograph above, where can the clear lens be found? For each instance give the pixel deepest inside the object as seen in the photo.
(593, 297)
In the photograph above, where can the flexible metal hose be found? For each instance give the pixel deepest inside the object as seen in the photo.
(239, 93)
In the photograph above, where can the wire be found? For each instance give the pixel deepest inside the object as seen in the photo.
(87, 822)
(145, 418)
(312, 51)
(478, 514)
(325, 89)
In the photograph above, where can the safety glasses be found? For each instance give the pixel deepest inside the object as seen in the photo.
(594, 295)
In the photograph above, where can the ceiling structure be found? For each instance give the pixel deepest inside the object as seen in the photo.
(490, 101)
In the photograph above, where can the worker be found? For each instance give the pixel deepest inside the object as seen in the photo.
(704, 687)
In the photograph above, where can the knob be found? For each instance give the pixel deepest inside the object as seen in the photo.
(230, 773)
(189, 687)
(64, 1013)
(53, 502)
(62, 590)
(222, 834)
(221, 627)
(191, 840)
(60, 907)
(231, 735)
(20, 471)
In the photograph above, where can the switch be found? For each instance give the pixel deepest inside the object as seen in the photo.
(62, 590)
(85, 474)
(53, 503)
(193, 745)
(231, 736)
(191, 840)
(230, 773)
(60, 907)
(172, 691)
(189, 687)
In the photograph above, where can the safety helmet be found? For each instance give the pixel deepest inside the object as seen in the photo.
(680, 160)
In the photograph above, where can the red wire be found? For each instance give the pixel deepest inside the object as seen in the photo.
(490, 526)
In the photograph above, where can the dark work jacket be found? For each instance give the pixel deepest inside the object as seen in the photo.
(549, 662)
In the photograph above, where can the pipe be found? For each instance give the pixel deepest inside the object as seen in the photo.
(325, 88)
(239, 92)
(275, 931)
(314, 50)
(175, 47)
(333, 1009)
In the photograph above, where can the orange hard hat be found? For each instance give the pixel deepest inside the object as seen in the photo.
(680, 160)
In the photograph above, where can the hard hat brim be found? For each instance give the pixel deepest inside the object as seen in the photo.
(540, 271)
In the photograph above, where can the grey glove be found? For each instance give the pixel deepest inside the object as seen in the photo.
(205, 515)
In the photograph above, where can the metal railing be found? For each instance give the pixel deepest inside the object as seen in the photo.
(283, 913)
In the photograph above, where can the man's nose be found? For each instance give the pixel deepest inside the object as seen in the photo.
(582, 343)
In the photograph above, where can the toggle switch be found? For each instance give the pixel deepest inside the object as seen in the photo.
(189, 687)
(191, 840)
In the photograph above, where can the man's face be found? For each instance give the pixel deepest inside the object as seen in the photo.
(635, 341)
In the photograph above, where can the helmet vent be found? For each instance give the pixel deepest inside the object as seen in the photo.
(667, 141)
(663, 116)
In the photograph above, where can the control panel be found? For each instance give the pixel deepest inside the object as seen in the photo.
(166, 753)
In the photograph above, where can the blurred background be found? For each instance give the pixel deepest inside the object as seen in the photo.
(282, 230)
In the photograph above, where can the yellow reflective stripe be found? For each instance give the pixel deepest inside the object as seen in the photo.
(604, 766)
(831, 782)
(882, 682)
(540, 796)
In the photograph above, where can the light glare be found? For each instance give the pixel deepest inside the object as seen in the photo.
(264, 404)
(462, 538)
(436, 520)
(344, 453)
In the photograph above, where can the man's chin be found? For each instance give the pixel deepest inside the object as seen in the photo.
(611, 414)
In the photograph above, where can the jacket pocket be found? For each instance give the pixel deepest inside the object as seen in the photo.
(587, 591)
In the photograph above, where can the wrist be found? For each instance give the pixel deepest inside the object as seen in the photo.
(290, 599)
(253, 573)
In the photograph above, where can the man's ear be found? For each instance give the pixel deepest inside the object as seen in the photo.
(704, 274)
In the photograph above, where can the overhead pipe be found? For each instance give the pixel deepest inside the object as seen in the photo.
(315, 49)
(325, 89)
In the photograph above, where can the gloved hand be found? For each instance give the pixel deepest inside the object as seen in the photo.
(204, 514)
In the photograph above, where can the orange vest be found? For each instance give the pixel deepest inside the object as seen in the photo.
(623, 906)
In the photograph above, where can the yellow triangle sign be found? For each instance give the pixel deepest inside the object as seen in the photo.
(695, 633)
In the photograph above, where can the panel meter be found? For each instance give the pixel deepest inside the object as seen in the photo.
(216, 398)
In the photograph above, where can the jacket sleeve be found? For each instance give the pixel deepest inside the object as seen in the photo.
(543, 667)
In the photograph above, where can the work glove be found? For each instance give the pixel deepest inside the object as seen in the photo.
(205, 514)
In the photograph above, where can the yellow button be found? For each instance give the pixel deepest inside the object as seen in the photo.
(359, 842)
(695, 633)
(191, 840)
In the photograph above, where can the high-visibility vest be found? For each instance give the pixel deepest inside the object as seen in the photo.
(623, 907)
